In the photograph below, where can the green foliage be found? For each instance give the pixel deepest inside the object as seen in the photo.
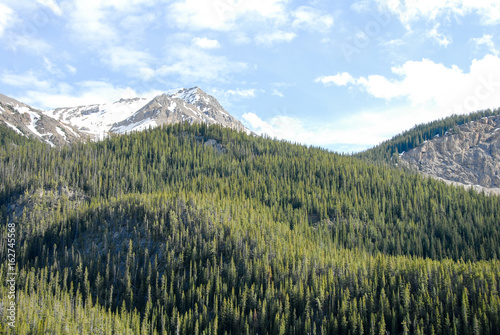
(157, 233)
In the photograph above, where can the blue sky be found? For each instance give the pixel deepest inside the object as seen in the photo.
(340, 75)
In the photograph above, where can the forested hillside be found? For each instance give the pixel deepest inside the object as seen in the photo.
(163, 232)
(412, 138)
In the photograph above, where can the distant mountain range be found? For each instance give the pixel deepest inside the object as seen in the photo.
(95, 121)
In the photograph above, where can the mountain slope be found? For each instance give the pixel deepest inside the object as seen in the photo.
(156, 232)
(470, 154)
(126, 115)
(28, 121)
(97, 119)
(185, 105)
(390, 149)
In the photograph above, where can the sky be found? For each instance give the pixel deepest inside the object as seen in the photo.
(339, 75)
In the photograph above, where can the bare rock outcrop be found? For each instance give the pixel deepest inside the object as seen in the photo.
(468, 155)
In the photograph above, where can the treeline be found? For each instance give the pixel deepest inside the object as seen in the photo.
(158, 233)
(412, 138)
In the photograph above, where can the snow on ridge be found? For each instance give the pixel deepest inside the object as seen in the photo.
(106, 115)
(137, 126)
(71, 130)
(14, 128)
(61, 132)
(34, 117)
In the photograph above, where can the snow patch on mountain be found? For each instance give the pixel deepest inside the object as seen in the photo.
(97, 120)
(14, 128)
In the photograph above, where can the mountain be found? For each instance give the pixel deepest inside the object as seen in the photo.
(156, 232)
(185, 105)
(460, 149)
(126, 115)
(31, 122)
(388, 151)
(469, 154)
(97, 119)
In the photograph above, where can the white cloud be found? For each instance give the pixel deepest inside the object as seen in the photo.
(48, 94)
(90, 22)
(274, 37)
(27, 42)
(192, 65)
(26, 80)
(222, 14)
(277, 93)
(338, 134)
(441, 39)
(247, 93)
(449, 89)
(82, 93)
(340, 79)
(5, 18)
(206, 43)
(487, 41)
(306, 17)
(133, 63)
(52, 5)
(71, 69)
(409, 10)
(96, 22)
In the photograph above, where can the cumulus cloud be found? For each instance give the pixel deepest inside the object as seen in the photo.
(487, 41)
(206, 43)
(439, 38)
(450, 89)
(338, 135)
(340, 79)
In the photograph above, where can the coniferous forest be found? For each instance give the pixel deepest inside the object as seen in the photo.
(157, 232)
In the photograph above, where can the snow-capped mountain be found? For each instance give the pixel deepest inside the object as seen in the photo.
(31, 122)
(184, 105)
(94, 122)
(97, 119)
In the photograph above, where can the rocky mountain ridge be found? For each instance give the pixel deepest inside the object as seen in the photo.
(31, 122)
(96, 121)
(184, 105)
(469, 155)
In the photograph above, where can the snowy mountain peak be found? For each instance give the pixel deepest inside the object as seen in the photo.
(182, 105)
(190, 95)
(95, 121)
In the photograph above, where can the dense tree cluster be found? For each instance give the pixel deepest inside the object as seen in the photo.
(158, 233)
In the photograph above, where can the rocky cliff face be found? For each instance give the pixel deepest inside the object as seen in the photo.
(469, 155)
(31, 122)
